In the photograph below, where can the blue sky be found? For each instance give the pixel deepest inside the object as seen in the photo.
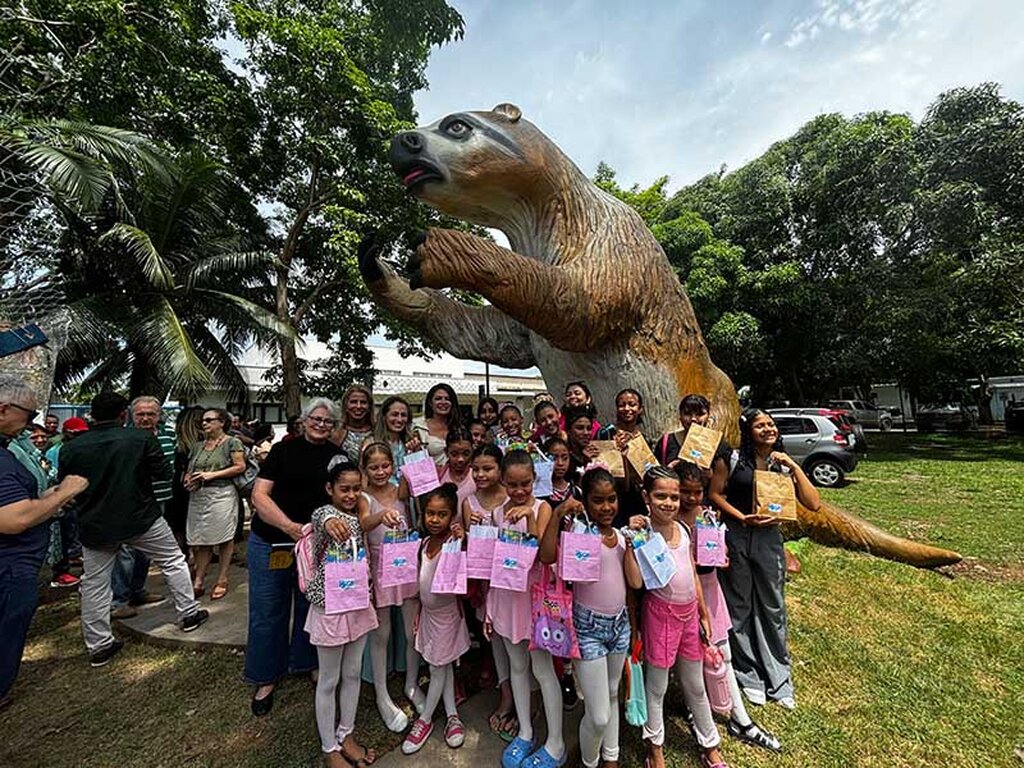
(679, 88)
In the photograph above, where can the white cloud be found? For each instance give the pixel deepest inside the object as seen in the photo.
(656, 89)
(766, 37)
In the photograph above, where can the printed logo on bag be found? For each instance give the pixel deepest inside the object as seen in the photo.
(510, 563)
(695, 454)
(346, 583)
(660, 557)
(774, 507)
(582, 555)
(710, 545)
(399, 562)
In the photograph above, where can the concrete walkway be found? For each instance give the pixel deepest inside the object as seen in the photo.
(481, 748)
(227, 626)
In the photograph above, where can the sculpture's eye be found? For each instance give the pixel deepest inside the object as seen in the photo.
(458, 129)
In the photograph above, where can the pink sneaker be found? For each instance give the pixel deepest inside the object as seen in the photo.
(65, 580)
(417, 737)
(454, 732)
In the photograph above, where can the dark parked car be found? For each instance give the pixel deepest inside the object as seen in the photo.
(823, 448)
(948, 417)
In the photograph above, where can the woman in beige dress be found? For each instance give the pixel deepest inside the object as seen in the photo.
(213, 504)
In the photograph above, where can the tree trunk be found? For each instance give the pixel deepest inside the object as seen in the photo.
(291, 392)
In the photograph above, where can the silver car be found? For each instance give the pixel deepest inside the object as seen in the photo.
(865, 414)
(825, 450)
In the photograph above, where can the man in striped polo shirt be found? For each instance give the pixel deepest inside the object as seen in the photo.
(132, 567)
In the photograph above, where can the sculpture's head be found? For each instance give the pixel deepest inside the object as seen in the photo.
(479, 166)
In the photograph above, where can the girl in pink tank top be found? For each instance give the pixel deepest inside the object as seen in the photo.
(478, 508)
(441, 634)
(384, 508)
(674, 617)
(510, 617)
(458, 448)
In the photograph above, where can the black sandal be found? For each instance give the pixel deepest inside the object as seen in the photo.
(754, 735)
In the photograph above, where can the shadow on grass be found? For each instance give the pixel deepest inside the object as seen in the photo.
(915, 447)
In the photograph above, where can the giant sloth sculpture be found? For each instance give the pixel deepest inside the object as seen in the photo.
(585, 293)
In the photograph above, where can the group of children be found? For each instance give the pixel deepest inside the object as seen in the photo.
(489, 479)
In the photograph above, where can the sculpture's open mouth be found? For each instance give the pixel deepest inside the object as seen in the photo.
(417, 173)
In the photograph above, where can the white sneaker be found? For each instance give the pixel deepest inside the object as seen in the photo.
(755, 696)
(788, 702)
(395, 720)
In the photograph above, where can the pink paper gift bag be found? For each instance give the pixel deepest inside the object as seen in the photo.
(450, 576)
(711, 550)
(399, 560)
(421, 473)
(579, 556)
(346, 580)
(480, 551)
(513, 558)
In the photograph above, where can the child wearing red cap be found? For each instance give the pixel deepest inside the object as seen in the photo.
(70, 547)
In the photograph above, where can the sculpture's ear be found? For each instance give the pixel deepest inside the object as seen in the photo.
(511, 111)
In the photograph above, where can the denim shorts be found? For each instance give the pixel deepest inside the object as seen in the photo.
(598, 634)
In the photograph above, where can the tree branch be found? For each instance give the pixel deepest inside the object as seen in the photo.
(309, 300)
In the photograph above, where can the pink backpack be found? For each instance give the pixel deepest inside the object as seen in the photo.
(305, 559)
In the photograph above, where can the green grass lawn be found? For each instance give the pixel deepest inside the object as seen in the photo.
(893, 666)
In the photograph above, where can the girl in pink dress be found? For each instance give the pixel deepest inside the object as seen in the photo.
(478, 508)
(510, 617)
(740, 725)
(458, 447)
(383, 508)
(441, 633)
(601, 619)
(673, 617)
(339, 637)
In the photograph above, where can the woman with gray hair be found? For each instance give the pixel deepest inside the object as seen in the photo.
(290, 486)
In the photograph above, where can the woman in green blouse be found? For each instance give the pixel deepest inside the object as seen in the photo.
(213, 504)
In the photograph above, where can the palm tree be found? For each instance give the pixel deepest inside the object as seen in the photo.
(162, 291)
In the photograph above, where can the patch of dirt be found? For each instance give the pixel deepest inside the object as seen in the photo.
(993, 573)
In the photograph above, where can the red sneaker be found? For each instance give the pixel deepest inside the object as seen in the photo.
(65, 580)
(417, 737)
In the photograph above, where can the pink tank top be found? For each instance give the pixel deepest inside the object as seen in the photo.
(465, 488)
(476, 507)
(607, 595)
(681, 589)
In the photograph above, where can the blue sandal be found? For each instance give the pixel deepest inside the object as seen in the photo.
(542, 759)
(515, 753)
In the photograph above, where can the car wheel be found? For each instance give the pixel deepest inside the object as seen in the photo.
(825, 473)
(885, 425)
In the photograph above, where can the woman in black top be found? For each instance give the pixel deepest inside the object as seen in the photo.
(290, 486)
(755, 579)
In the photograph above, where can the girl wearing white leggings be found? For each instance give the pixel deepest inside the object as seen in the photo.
(602, 622)
(339, 638)
(672, 620)
(510, 617)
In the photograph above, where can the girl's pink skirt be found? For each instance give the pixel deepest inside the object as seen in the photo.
(332, 629)
(670, 631)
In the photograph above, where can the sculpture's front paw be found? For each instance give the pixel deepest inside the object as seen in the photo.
(366, 256)
(416, 258)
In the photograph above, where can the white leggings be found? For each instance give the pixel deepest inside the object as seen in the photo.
(342, 662)
(520, 661)
(739, 710)
(379, 653)
(599, 728)
(442, 685)
(500, 660)
(691, 678)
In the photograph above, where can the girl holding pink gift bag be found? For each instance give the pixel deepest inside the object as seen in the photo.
(510, 617)
(478, 509)
(603, 628)
(384, 508)
(339, 638)
(673, 617)
(740, 725)
(441, 633)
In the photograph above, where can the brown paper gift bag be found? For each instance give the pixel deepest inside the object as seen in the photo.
(774, 495)
(610, 455)
(640, 455)
(700, 445)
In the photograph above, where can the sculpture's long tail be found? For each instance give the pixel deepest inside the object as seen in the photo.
(835, 528)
